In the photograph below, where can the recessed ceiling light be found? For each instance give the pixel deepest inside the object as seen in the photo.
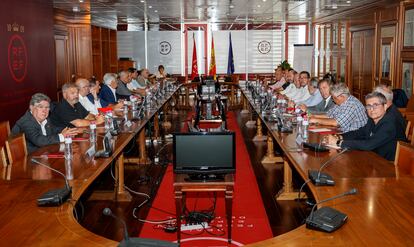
(231, 6)
(150, 7)
(155, 11)
(259, 6)
(142, 1)
(227, 13)
(348, 1)
(81, 1)
(334, 7)
(264, 0)
(75, 9)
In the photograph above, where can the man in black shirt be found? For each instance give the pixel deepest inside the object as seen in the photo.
(378, 135)
(400, 122)
(70, 113)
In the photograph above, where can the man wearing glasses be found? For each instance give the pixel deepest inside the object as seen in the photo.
(348, 114)
(378, 135)
(36, 126)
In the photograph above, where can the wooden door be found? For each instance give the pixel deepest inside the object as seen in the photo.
(362, 53)
(62, 61)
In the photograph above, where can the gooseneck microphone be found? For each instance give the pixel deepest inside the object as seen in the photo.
(108, 212)
(134, 242)
(55, 197)
(318, 178)
(328, 219)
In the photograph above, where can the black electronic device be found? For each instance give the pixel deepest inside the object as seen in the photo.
(136, 242)
(204, 153)
(107, 148)
(55, 197)
(327, 219)
(320, 179)
(115, 130)
(317, 147)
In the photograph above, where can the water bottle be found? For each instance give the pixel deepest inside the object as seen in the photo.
(126, 112)
(69, 169)
(92, 135)
(108, 120)
(68, 148)
(134, 104)
(283, 105)
(305, 129)
(299, 123)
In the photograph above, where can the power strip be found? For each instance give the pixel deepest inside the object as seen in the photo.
(188, 227)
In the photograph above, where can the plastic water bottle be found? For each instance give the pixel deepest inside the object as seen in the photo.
(69, 169)
(126, 112)
(68, 148)
(299, 123)
(108, 120)
(305, 129)
(92, 135)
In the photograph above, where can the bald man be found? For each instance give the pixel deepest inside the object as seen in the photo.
(84, 90)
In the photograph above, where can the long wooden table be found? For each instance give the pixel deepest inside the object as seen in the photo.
(380, 214)
(22, 223)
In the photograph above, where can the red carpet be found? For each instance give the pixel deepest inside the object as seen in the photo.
(250, 223)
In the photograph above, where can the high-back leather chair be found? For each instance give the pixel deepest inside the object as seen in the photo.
(16, 148)
(404, 159)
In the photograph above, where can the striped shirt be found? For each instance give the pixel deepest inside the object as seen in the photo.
(350, 115)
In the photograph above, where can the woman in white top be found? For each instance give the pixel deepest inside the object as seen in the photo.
(161, 74)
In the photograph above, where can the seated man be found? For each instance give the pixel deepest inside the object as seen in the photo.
(134, 86)
(108, 90)
(315, 96)
(280, 79)
(400, 122)
(37, 127)
(302, 93)
(378, 135)
(70, 113)
(122, 91)
(84, 91)
(292, 84)
(327, 103)
(348, 114)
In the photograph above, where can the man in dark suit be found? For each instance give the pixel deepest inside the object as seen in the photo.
(400, 122)
(37, 127)
(326, 103)
(108, 90)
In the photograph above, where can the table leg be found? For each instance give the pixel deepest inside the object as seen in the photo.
(229, 204)
(156, 127)
(143, 159)
(178, 209)
(287, 192)
(270, 157)
(121, 193)
(259, 137)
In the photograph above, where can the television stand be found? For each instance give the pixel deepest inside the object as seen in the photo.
(205, 178)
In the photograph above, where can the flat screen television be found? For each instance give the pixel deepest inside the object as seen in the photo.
(204, 154)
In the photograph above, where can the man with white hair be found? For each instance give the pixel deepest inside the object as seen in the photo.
(37, 127)
(122, 91)
(70, 113)
(84, 90)
(348, 114)
(400, 122)
(108, 90)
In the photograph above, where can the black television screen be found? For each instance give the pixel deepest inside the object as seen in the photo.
(204, 152)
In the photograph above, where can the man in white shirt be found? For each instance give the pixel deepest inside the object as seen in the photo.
(280, 79)
(84, 90)
(133, 85)
(302, 93)
(315, 95)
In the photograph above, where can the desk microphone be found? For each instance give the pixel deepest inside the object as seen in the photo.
(55, 197)
(133, 242)
(318, 178)
(328, 219)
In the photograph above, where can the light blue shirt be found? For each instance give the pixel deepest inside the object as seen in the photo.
(313, 100)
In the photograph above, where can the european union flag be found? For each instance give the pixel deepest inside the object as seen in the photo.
(230, 62)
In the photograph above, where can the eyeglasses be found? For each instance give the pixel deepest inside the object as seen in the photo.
(373, 107)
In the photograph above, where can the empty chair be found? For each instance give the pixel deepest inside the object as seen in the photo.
(404, 159)
(16, 148)
(4, 134)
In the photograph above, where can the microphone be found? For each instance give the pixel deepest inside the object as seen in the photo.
(108, 212)
(55, 197)
(328, 219)
(133, 242)
(318, 178)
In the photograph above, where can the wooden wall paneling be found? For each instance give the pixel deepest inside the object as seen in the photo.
(62, 60)
(113, 51)
(83, 56)
(97, 52)
(356, 62)
(368, 62)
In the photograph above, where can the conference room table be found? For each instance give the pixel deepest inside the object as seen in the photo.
(23, 223)
(380, 214)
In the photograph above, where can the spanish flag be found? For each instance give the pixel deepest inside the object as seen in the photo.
(212, 70)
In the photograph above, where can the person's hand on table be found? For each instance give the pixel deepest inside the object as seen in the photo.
(100, 119)
(69, 131)
(313, 120)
